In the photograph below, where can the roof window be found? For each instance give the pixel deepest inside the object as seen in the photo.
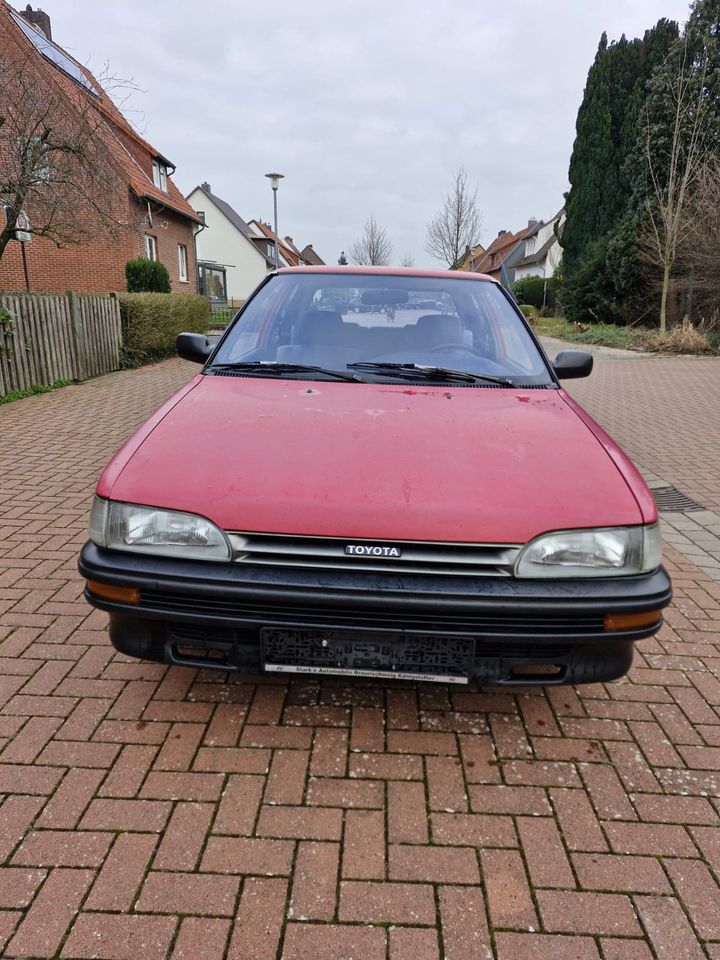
(160, 175)
(55, 55)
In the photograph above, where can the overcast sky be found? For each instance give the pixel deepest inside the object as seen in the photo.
(364, 105)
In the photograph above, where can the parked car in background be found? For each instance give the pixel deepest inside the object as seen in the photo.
(419, 500)
(356, 305)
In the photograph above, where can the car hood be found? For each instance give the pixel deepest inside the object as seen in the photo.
(378, 461)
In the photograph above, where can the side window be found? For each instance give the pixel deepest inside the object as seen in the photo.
(512, 345)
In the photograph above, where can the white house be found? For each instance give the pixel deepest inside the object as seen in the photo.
(542, 251)
(231, 262)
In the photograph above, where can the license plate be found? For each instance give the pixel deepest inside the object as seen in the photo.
(378, 656)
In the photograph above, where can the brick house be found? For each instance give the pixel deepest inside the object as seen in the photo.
(153, 219)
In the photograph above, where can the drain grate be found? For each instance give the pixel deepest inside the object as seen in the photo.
(671, 499)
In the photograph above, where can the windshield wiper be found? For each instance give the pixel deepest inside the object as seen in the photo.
(410, 371)
(262, 367)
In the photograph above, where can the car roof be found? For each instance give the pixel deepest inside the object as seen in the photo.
(392, 272)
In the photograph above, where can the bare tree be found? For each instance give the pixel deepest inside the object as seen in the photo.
(674, 170)
(56, 159)
(698, 253)
(373, 249)
(407, 260)
(457, 223)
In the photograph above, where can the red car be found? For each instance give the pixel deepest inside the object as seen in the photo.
(384, 494)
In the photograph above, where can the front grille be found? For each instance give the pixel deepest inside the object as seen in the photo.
(258, 614)
(328, 553)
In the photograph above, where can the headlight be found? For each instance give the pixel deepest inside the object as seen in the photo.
(610, 552)
(169, 533)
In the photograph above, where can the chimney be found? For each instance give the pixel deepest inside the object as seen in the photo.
(38, 19)
(206, 187)
(501, 233)
(532, 222)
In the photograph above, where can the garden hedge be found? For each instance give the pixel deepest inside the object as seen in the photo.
(532, 290)
(152, 321)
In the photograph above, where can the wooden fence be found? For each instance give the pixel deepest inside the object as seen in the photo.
(45, 338)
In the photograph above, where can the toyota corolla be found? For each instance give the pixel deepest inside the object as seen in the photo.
(383, 494)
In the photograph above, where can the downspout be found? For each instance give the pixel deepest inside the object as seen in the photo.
(202, 226)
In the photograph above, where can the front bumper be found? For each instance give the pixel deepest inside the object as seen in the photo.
(224, 611)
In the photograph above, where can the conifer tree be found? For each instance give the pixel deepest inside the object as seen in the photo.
(601, 179)
(591, 154)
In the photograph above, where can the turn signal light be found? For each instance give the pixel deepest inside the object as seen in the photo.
(631, 621)
(110, 591)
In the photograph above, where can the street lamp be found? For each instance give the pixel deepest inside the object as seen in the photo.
(275, 179)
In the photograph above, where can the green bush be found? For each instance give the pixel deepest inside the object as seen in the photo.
(146, 276)
(532, 290)
(528, 310)
(152, 321)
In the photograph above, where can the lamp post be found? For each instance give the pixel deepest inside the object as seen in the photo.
(275, 179)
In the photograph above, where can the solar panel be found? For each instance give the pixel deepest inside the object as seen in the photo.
(55, 55)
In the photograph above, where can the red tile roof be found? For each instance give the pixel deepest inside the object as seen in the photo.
(117, 132)
(498, 251)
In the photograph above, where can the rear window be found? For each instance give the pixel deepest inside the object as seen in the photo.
(332, 320)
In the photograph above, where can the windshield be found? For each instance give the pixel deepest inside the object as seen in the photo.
(333, 320)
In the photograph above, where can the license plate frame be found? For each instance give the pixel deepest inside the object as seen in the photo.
(379, 656)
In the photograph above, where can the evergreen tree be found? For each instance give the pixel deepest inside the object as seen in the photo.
(602, 179)
(591, 154)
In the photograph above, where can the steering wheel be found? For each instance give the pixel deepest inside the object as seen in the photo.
(456, 346)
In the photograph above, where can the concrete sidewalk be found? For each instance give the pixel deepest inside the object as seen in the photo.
(155, 812)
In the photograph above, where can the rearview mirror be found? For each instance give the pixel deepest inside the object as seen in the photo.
(572, 364)
(378, 297)
(193, 346)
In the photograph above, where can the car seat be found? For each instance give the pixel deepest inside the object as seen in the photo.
(319, 337)
(434, 329)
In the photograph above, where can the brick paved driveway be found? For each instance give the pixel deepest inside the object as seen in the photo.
(152, 812)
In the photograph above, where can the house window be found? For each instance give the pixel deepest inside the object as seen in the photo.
(34, 159)
(182, 263)
(150, 247)
(160, 175)
(212, 281)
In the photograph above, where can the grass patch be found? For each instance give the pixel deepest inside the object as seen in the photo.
(32, 391)
(682, 338)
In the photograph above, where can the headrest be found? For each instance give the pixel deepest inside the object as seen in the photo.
(319, 326)
(437, 328)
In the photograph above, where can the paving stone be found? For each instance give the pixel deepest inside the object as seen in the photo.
(234, 807)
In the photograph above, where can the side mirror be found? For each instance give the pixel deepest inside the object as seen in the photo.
(572, 364)
(193, 346)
